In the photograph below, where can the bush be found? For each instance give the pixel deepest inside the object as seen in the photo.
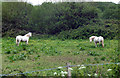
(86, 31)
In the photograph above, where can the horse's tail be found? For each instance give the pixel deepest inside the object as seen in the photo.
(102, 42)
(16, 40)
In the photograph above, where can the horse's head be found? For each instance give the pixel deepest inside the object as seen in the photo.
(91, 38)
(29, 34)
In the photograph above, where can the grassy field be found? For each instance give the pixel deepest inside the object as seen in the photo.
(0, 55)
(50, 53)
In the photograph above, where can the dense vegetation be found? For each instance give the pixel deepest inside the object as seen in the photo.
(66, 20)
(60, 35)
(43, 53)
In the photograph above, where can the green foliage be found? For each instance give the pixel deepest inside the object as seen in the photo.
(68, 20)
(15, 16)
(111, 12)
(48, 53)
(108, 31)
(103, 58)
(93, 54)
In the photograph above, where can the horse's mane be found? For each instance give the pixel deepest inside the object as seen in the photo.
(28, 34)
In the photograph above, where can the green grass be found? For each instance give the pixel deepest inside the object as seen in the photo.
(49, 53)
(0, 54)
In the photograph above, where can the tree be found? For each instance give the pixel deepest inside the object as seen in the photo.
(15, 15)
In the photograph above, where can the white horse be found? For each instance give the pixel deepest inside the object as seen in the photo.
(23, 38)
(97, 40)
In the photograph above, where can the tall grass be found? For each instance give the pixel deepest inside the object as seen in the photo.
(49, 53)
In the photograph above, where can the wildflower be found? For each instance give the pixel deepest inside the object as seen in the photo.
(109, 69)
(59, 67)
(65, 72)
(55, 73)
(70, 69)
(95, 74)
(78, 65)
(58, 74)
(118, 63)
(62, 72)
(82, 67)
(63, 75)
(89, 74)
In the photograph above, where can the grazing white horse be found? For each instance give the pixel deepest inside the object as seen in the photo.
(97, 40)
(23, 38)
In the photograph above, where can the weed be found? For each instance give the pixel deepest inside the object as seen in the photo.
(12, 58)
(103, 58)
(93, 53)
(49, 53)
(7, 52)
(82, 48)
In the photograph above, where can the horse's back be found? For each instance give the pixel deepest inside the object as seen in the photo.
(19, 36)
(101, 37)
(98, 39)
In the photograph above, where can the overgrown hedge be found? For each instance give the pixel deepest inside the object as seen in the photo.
(108, 31)
(67, 20)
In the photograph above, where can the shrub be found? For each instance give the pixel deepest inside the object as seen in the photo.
(93, 53)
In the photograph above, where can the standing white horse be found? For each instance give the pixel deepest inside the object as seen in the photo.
(97, 40)
(23, 38)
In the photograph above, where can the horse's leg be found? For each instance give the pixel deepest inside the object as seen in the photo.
(18, 43)
(95, 44)
(27, 42)
(102, 44)
(99, 43)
